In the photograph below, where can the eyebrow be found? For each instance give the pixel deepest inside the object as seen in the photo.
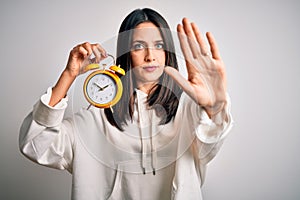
(144, 42)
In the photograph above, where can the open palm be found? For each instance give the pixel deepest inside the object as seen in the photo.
(206, 82)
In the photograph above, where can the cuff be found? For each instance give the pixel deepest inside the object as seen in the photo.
(47, 115)
(215, 129)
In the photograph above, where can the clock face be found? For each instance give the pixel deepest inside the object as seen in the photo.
(101, 89)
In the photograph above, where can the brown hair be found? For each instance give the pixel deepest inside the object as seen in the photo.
(164, 96)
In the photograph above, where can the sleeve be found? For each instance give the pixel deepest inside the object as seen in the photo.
(211, 133)
(45, 137)
(207, 134)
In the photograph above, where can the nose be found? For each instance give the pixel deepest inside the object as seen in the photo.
(149, 55)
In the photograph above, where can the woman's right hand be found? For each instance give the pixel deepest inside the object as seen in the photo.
(80, 55)
(79, 58)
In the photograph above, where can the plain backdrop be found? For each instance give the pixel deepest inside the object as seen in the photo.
(259, 42)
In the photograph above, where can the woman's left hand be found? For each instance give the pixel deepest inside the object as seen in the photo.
(206, 83)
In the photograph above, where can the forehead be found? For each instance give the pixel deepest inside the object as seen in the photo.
(146, 31)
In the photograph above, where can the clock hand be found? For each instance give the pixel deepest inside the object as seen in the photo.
(100, 88)
(105, 87)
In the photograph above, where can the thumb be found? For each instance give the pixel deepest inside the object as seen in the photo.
(179, 79)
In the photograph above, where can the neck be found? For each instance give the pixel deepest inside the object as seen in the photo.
(146, 87)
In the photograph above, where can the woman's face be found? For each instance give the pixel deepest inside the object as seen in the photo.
(147, 54)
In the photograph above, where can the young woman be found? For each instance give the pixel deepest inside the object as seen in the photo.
(162, 133)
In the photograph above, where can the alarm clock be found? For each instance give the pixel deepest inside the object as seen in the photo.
(103, 88)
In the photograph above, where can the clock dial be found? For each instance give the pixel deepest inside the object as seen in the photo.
(101, 89)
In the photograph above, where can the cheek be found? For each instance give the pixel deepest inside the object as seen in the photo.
(137, 73)
(135, 60)
(162, 59)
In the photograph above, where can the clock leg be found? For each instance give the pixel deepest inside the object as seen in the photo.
(89, 106)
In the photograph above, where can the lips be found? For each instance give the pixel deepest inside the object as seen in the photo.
(150, 68)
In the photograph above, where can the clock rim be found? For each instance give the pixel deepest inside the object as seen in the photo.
(118, 92)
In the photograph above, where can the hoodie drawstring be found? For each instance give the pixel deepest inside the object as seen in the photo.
(143, 141)
(153, 149)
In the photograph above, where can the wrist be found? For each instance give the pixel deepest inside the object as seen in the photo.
(62, 86)
(69, 74)
(215, 109)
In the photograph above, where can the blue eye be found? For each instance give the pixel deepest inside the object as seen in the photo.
(159, 46)
(138, 46)
(141, 46)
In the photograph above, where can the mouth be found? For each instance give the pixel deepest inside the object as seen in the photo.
(150, 68)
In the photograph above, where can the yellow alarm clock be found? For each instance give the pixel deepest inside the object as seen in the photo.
(103, 88)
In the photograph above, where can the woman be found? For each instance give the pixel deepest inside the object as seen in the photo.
(160, 137)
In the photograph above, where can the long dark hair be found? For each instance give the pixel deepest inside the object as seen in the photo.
(164, 97)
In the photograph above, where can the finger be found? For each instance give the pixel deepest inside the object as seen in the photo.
(88, 47)
(195, 49)
(102, 51)
(179, 79)
(184, 44)
(83, 51)
(97, 54)
(200, 39)
(213, 46)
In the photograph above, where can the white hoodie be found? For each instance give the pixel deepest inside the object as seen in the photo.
(146, 161)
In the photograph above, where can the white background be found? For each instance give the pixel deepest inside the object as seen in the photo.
(259, 42)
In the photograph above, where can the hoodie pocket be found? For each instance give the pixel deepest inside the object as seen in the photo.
(126, 179)
(116, 193)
